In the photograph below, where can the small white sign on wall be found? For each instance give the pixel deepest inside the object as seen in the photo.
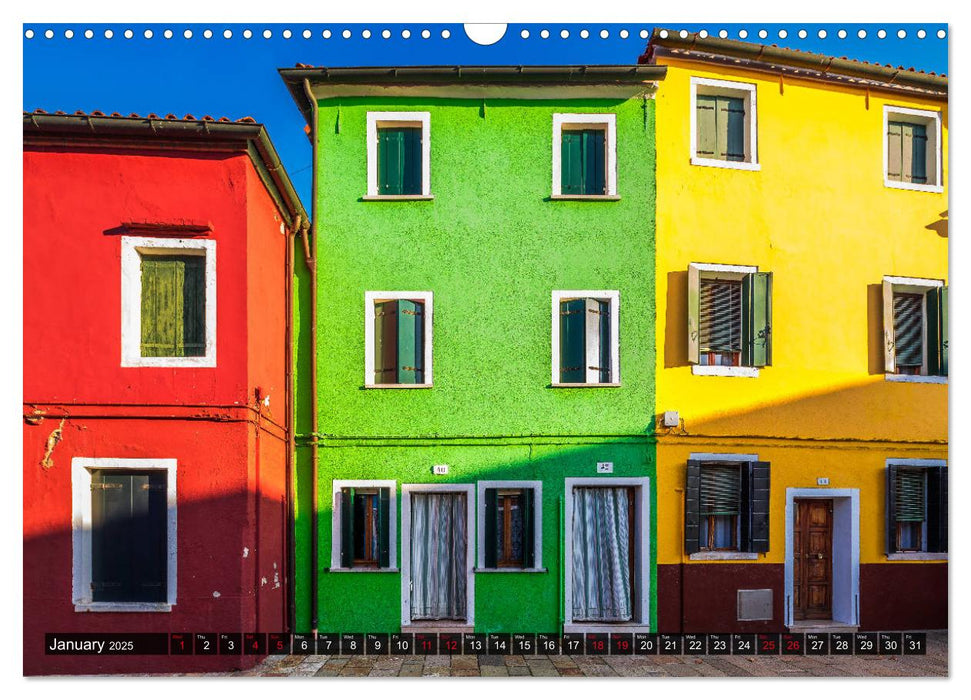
(822, 481)
(440, 469)
(605, 467)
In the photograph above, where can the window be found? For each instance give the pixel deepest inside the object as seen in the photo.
(510, 524)
(586, 338)
(916, 506)
(124, 537)
(729, 319)
(723, 124)
(398, 339)
(168, 302)
(364, 528)
(727, 505)
(915, 329)
(398, 153)
(584, 156)
(912, 149)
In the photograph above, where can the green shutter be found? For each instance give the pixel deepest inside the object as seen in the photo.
(755, 507)
(889, 349)
(943, 338)
(571, 162)
(386, 342)
(692, 506)
(573, 341)
(937, 509)
(907, 152)
(730, 135)
(347, 528)
(604, 309)
(705, 107)
(757, 319)
(384, 527)
(936, 304)
(891, 510)
(529, 530)
(411, 336)
(910, 496)
(894, 152)
(918, 162)
(693, 314)
(491, 513)
(582, 161)
(399, 160)
(594, 169)
(173, 306)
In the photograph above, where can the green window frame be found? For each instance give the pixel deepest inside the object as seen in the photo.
(173, 305)
(583, 161)
(399, 166)
(365, 527)
(729, 318)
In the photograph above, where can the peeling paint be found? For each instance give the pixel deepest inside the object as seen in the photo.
(216, 594)
(55, 437)
(263, 581)
(245, 552)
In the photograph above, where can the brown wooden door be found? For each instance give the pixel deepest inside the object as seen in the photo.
(813, 560)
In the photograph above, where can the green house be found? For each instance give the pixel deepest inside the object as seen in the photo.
(476, 355)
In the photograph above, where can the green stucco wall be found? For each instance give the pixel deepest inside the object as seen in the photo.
(492, 247)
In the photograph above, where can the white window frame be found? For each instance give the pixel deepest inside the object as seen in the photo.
(727, 88)
(915, 285)
(732, 272)
(370, 298)
(608, 122)
(132, 250)
(537, 487)
(923, 555)
(81, 526)
(376, 120)
(335, 529)
(724, 555)
(640, 539)
(930, 119)
(612, 296)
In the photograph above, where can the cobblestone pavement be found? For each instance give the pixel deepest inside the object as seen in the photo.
(933, 664)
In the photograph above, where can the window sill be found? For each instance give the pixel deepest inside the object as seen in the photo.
(341, 570)
(509, 571)
(722, 371)
(916, 378)
(917, 556)
(724, 556)
(123, 607)
(200, 361)
(585, 197)
(559, 385)
(397, 197)
(892, 184)
(617, 627)
(397, 386)
(729, 164)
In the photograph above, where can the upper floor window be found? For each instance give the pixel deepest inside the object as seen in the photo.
(168, 302)
(586, 338)
(398, 339)
(729, 319)
(398, 154)
(912, 149)
(584, 156)
(915, 329)
(723, 124)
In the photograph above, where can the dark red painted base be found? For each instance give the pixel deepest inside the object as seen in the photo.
(903, 596)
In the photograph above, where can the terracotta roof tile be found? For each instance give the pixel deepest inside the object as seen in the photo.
(150, 115)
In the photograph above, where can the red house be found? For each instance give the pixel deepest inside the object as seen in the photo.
(158, 268)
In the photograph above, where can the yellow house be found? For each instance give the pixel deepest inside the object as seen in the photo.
(802, 340)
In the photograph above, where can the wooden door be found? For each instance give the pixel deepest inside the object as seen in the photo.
(813, 560)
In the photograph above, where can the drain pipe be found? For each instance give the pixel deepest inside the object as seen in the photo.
(310, 259)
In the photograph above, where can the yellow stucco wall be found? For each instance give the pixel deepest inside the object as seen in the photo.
(818, 216)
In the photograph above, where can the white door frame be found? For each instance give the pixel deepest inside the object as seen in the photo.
(640, 538)
(406, 491)
(846, 551)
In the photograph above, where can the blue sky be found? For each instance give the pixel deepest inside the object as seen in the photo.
(237, 77)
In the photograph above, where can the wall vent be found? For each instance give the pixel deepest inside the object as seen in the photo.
(755, 604)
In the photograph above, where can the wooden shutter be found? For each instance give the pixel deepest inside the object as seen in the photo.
(605, 346)
(907, 152)
(692, 506)
(705, 107)
(908, 330)
(573, 341)
(594, 170)
(757, 319)
(755, 507)
(347, 528)
(491, 513)
(693, 315)
(386, 342)
(731, 128)
(918, 162)
(937, 509)
(527, 505)
(571, 162)
(891, 499)
(894, 152)
(935, 300)
(943, 337)
(889, 350)
(411, 342)
(384, 527)
(173, 306)
(412, 165)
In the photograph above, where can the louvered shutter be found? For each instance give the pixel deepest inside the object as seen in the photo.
(911, 497)
(411, 342)
(384, 527)
(347, 528)
(571, 162)
(692, 506)
(731, 128)
(386, 342)
(918, 164)
(908, 329)
(390, 161)
(719, 316)
(705, 107)
(573, 341)
(894, 151)
(491, 513)
(757, 319)
(693, 315)
(529, 529)
(891, 499)
(935, 300)
(756, 483)
(937, 509)
(720, 489)
(594, 181)
(889, 351)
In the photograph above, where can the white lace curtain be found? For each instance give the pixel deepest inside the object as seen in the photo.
(601, 555)
(438, 551)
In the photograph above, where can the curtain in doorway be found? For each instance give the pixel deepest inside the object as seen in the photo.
(438, 551)
(601, 555)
